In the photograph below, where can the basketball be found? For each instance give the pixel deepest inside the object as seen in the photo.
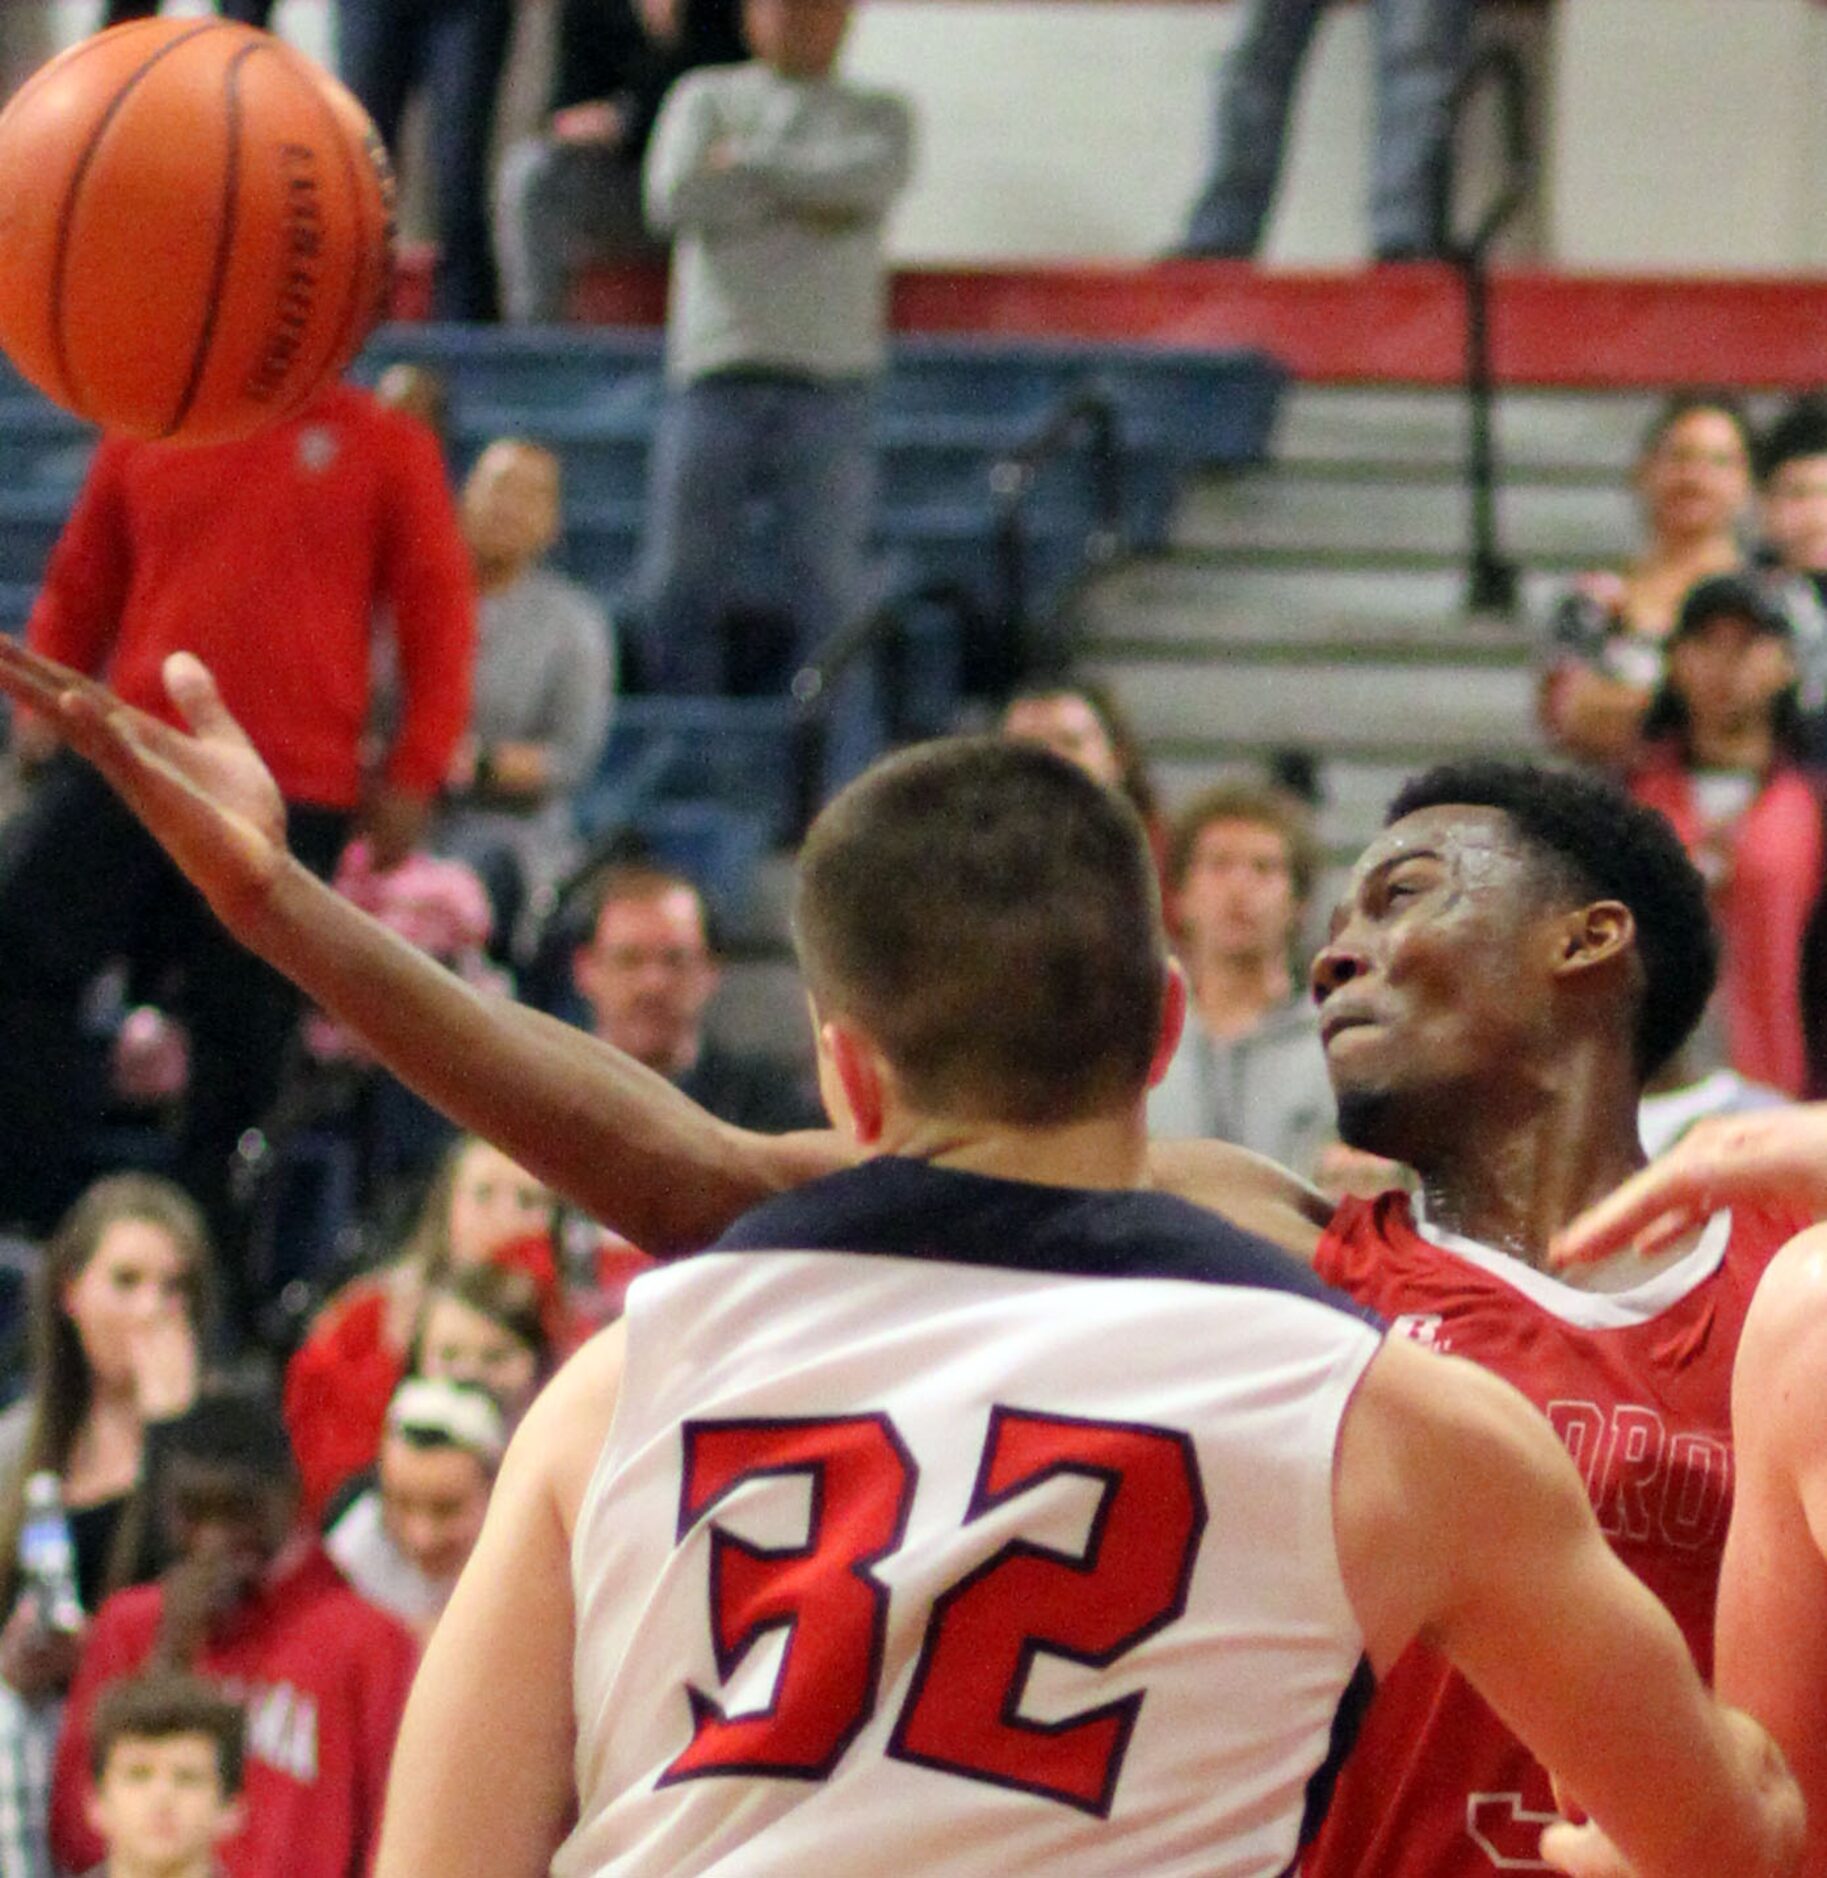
(197, 229)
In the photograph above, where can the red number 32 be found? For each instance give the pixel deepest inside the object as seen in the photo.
(961, 1714)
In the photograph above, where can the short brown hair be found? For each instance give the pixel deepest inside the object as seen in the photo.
(163, 1703)
(637, 880)
(991, 916)
(1260, 805)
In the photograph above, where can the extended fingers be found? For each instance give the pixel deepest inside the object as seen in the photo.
(1649, 1210)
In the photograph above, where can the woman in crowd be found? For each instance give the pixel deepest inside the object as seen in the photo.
(338, 1385)
(121, 1309)
(1606, 638)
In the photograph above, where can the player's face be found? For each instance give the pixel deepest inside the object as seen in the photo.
(1431, 985)
(432, 1503)
(1236, 898)
(1795, 513)
(1697, 479)
(648, 974)
(492, 1201)
(160, 1804)
(459, 1344)
(135, 1278)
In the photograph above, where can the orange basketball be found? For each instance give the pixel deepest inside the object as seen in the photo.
(196, 229)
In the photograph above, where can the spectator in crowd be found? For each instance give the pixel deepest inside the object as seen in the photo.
(1792, 514)
(339, 1383)
(167, 1762)
(1084, 723)
(248, 12)
(1421, 48)
(776, 178)
(268, 559)
(1249, 1067)
(255, 1606)
(120, 1307)
(1722, 765)
(572, 195)
(648, 974)
(1607, 637)
(498, 1327)
(545, 677)
(402, 1535)
(454, 52)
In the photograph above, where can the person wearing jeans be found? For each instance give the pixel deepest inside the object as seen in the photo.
(455, 51)
(1421, 47)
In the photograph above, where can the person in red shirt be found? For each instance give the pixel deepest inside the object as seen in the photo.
(270, 559)
(1516, 954)
(256, 1607)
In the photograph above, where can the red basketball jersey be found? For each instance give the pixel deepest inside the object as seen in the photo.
(1638, 1385)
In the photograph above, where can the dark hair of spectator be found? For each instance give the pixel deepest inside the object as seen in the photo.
(1800, 431)
(163, 1704)
(1132, 767)
(1259, 805)
(1600, 845)
(235, 1427)
(511, 1300)
(1684, 404)
(61, 1386)
(991, 916)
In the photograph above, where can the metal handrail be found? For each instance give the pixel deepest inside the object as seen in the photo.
(1492, 584)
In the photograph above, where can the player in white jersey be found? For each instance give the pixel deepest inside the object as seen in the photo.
(919, 1534)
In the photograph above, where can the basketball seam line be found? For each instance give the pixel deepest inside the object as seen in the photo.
(66, 216)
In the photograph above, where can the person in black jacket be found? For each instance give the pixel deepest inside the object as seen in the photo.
(573, 194)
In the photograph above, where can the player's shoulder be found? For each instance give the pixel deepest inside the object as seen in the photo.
(556, 1448)
(1789, 1314)
(1249, 1189)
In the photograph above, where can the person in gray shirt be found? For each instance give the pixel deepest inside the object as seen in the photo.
(1249, 1067)
(774, 179)
(544, 686)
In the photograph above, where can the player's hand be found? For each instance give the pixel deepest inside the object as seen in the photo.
(1584, 1852)
(203, 794)
(1775, 1155)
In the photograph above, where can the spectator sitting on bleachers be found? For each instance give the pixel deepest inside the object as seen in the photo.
(503, 1327)
(545, 675)
(776, 178)
(119, 1313)
(1249, 1067)
(1607, 637)
(339, 1383)
(401, 1536)
(255, 1607)
(1722, 766)
(573, 195)
(648, 973)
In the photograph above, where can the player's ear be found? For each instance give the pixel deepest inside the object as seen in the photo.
(1173, 1022)
(850, 1069)
(1595, 934)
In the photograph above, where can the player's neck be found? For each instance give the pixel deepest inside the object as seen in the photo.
(1108, 1152)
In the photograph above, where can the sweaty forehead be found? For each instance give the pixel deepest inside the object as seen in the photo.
(1478, 846)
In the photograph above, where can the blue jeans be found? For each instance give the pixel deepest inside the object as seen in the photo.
(1421, 48)
(455, 49)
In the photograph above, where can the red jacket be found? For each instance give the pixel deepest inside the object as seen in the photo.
(324, 1676)
(269, 559)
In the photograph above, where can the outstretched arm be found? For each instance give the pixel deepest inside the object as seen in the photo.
(611, 1136)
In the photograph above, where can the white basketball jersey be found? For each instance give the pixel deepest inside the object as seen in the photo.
(959, 1526)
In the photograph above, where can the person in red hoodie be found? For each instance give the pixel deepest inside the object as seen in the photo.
(256, 1607)
(270, 559)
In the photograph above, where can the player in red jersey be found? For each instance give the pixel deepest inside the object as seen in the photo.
(1517, 953)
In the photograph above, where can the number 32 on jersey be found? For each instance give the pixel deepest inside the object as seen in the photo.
(984, 1631)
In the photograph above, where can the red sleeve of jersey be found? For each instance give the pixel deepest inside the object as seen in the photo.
(119, 1641)
(78, 610)
(1338, 1257)
(427, 577)
(381, 1691)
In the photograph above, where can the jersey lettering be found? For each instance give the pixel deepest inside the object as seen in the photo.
(1644, 1485)
(962, 1713)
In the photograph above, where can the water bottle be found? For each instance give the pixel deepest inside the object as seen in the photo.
(47, 1555)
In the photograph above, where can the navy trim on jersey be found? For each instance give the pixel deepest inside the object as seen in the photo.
(1354, 1704)
(911, 1209)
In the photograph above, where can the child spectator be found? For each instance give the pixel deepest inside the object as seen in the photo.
(403, 1533)
(166, 1762)
(776, 178)
(1606, 638)
(255, 1606)
(488, 1327)
(1723, 765)
(338, 1385)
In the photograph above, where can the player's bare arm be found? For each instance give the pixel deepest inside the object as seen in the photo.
(607, 1133)
(1775, 1156)
(1462, 1521)
(1772, 1640)
(1252, 1192)
(482, 1783)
